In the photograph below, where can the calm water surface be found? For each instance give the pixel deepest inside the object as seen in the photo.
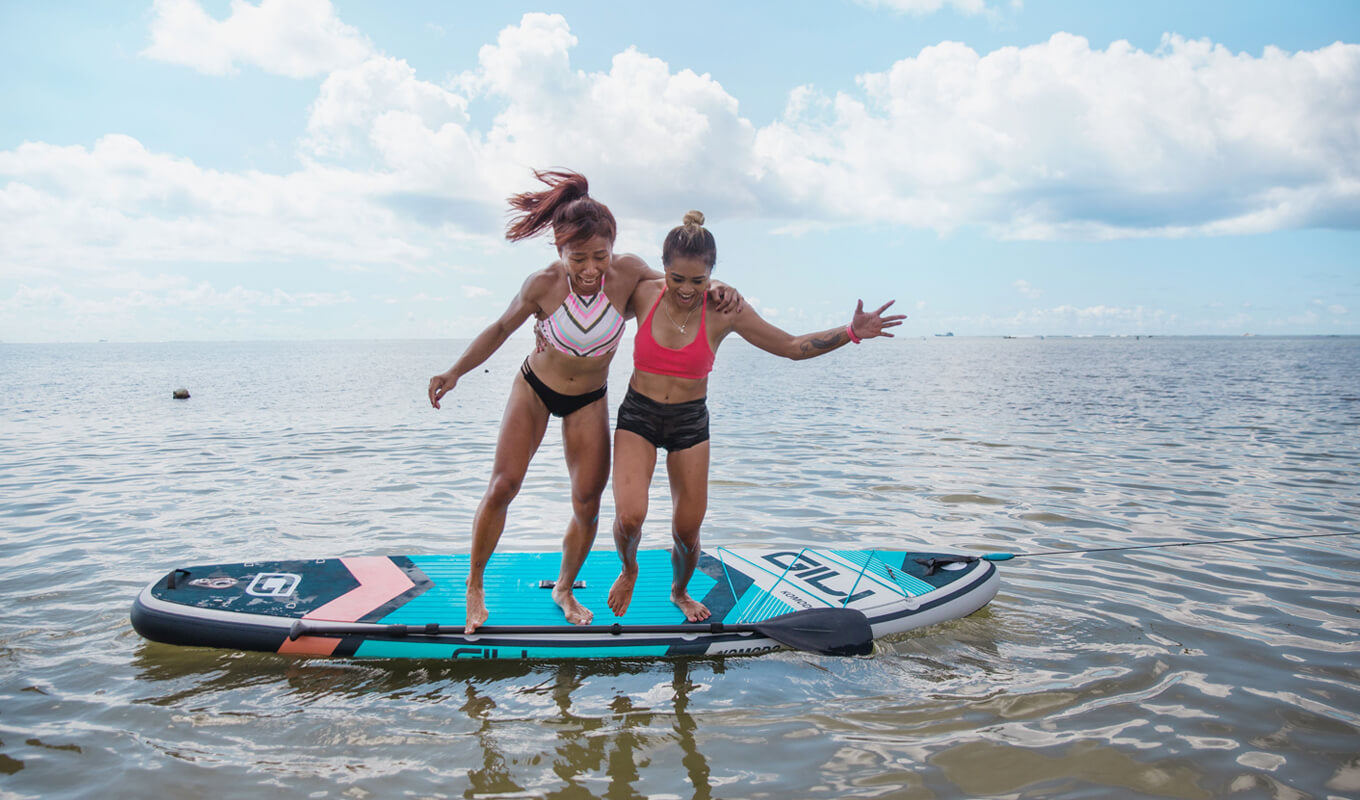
(1184, 672)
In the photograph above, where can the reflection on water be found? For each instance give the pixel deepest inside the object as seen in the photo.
(498, 726)
(1186, 672)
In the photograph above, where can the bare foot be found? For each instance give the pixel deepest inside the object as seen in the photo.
(476, 610)
(576, 613)
(621, 593)
(694, 610)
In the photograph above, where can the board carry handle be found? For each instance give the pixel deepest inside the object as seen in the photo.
(171, 581)
(828, 631)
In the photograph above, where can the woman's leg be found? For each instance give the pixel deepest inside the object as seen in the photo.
(634, 463)
(585, 440)
(688, 470)
(522, 428)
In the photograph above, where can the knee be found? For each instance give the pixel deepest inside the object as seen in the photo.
(629, 524)
(503, 488)
(686, 539)
(585, 502)
(685, 526)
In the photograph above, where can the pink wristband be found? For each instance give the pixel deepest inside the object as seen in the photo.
(850, 331)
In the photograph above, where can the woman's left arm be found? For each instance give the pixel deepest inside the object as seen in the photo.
(863, 325)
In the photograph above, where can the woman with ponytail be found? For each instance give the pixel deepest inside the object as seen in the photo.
(666, 404)
(579, 302)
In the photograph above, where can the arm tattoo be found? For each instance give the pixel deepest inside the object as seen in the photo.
(824, 343)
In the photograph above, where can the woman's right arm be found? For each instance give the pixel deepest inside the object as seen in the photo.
(490, 340)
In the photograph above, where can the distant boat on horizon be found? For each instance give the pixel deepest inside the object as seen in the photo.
(942, 335)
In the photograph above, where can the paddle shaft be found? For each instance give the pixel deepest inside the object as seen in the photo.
(310, 628)
(830, 631)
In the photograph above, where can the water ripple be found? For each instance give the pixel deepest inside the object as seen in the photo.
(1195, 672)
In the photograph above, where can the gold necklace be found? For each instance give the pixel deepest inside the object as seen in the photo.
(672, 319)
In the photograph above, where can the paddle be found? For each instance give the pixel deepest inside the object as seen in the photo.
(828, 631)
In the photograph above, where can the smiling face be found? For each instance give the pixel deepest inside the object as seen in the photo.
(686, 281)
(587, 260)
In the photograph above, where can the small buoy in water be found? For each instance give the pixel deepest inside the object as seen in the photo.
(180, 394)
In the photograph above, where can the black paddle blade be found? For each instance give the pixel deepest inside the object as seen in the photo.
(829, 631)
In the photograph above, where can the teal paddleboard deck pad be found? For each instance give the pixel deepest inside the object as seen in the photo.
(413, 606)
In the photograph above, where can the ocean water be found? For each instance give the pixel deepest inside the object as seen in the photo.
(1201, 671)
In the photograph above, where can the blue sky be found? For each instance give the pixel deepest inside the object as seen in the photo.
(300, 169)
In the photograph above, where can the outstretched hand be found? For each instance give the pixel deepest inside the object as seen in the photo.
(868, 325)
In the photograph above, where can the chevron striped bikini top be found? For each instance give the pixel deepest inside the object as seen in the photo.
(584, 326)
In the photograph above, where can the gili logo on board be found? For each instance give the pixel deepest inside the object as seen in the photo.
(274, 584)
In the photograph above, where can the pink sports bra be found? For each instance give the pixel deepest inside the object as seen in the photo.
(694, 360)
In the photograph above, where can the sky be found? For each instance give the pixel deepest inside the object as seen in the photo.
(304, 169)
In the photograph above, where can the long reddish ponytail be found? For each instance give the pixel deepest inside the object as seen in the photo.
(566, 206)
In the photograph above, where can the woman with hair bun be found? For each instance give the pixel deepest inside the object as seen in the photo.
(579, 302)
(666, 404)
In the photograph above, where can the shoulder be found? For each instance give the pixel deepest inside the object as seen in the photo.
(544, 280)
(628, 263)
(542, 291)
(731, 320)
(647, 291)
(626, 275)
(642, 295)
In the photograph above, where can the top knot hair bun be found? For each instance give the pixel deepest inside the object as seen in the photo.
(690, 238)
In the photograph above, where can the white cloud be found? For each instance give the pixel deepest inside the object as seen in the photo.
(200, 296)
(69, 208)
(1055, 140)
(1058, 140)
(637, 118)
(1052, 141)
(379, 102)
(295, 38)
(1025, 289)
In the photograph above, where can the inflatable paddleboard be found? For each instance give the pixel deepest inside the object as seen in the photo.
(413, 606)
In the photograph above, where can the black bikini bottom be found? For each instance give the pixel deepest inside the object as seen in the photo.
(559, 405)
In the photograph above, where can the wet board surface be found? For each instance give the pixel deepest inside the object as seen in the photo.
(390, 602)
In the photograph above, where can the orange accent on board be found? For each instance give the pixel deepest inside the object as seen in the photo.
(379, 581)
(309, 645)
